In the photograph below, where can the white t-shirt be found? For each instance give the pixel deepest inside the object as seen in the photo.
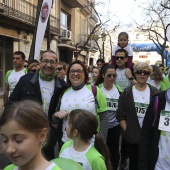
(52, 165)
(79, 157)
(76, 99)
(142, 100)
(47, 90)
(128, 48)
(13, 79)
(112, 97)
(153, 83)
(163, 161)
(121, 79)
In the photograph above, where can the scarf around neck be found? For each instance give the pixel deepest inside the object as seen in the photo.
(45, 77)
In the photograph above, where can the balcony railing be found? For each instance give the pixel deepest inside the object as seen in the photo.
(74, 3)
(82, 41)
(28, 19)
(94, 17)
(13, 13)
(54, 25)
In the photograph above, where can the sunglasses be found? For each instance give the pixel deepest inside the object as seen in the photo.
(111, 75)
(120, 57)
(144, 72)
(59, 68)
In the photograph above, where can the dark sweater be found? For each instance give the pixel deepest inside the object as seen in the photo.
(126, 111)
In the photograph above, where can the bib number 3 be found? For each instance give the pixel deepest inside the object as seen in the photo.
(164, 121)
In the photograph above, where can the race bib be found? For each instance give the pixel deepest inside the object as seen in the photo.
(164, 121)
(112, 104)
(141, 109)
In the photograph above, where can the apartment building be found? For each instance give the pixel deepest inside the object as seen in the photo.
(70, 24)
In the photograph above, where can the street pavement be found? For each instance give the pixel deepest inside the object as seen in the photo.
(3, 160)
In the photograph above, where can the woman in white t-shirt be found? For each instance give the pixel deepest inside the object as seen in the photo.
(132, 105)
(79, 95)
(105, 82)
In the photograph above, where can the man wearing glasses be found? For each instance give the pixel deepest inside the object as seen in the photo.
(124, 79)
(12, 76)
(45, 87)
(124, 75)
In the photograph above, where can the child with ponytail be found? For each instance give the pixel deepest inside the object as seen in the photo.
(82, 129)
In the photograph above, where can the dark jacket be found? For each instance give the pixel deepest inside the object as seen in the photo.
(126, 111)
(28, 87)
(150, 134)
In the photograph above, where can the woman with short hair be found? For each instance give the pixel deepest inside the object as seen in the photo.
(132, 106)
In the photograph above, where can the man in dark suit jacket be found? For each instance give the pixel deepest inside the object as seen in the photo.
(46, 88)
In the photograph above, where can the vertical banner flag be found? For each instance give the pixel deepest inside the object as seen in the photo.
(43, 12)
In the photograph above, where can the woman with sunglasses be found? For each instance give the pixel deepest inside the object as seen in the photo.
(132, 106)
(79, 95)
(105, 82)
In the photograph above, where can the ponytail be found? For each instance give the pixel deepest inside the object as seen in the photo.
(103, 150)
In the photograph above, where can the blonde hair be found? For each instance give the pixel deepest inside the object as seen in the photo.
(141, 66)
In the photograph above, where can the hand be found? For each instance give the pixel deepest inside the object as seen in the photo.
(128, 73)
(60, 114)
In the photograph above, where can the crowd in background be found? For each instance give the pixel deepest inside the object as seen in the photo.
(100, 116)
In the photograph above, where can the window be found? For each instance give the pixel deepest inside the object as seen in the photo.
(65, 20)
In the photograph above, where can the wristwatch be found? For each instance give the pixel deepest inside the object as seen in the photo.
(131, 78)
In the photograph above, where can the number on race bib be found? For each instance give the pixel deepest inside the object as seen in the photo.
(166, 123)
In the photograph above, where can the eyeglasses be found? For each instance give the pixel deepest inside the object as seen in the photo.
(144, 72)
(45, 61)
(76, 71)
(120, 57)
(111, 75)
(59, 68)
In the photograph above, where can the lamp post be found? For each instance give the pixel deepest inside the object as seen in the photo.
(103, 35)
(166, 48)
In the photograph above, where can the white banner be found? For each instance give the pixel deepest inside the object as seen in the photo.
(42, 24)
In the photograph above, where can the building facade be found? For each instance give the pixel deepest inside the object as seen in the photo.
(70, 25)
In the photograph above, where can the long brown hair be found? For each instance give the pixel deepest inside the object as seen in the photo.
(86, 124)
(29, 114)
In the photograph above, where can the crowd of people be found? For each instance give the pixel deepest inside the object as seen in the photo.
(100, 116)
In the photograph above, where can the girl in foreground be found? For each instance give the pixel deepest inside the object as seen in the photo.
(81, 128)
(24, 129)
